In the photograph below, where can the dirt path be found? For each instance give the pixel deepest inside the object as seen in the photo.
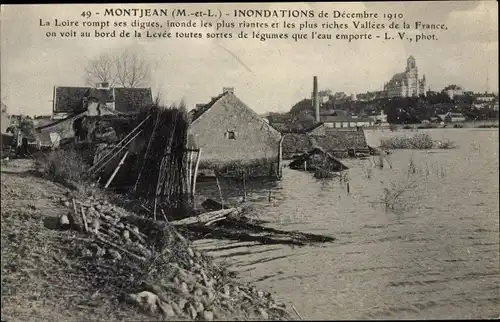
(39, 283)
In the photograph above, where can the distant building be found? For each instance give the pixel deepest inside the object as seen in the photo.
(407, 83)
(346, 121)
(453, 90)
(72, 104)
(452, 117)
(368, 96)
(339, 96)
(69, 101)
(380, 119)
(486, 97)
(5, 118)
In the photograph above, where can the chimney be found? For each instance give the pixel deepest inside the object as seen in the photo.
(316, 98)
(228, 90)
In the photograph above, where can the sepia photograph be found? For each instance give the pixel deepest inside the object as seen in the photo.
(250, 161)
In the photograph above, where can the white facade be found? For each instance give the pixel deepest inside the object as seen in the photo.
(407, 83)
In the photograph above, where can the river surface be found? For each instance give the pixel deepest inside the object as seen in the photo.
(435, 255)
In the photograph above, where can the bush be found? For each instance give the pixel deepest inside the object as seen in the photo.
(446, 144)
(421, 141)
(63, 166)
(487, 126)
(458, 126)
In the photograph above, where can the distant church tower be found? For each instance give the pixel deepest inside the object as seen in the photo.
(411, 77)
(406, 84)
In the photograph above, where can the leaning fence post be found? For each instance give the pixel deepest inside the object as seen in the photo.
(198, 157)
(116, 170)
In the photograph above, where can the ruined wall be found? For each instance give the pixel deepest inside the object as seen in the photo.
(64, 129)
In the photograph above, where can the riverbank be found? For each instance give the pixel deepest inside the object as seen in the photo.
(52, 271)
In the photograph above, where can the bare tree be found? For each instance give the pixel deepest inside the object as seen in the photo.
(125, 69)
(131, 70)
(100, 70)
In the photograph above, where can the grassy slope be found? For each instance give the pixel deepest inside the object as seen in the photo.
(40, 279)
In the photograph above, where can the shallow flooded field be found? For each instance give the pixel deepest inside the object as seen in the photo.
(435, 255)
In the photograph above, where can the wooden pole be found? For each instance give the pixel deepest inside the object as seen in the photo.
(160, 171)
(220, 190)
(280, 157)
(116, 170)
(198, 155)
(123, 140)
(147, 151)
(190, 171)
(111, 158)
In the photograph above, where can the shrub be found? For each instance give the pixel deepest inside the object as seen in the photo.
(421, 141)
(418, 141)
(63, 166)
(487, 126)
(458, 126)
(446, 144)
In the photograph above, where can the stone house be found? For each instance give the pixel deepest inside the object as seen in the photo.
(228, 131)
(72, 104)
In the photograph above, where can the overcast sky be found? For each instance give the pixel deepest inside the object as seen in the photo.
(268, 76)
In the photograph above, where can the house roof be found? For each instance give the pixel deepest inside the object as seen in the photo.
(280, 126)
(202, 108)
(397, 77)
(68, 119)
(314, 127)
(70, 99)
(344, 118)
(128, 100)
(298, 162)
(340, 140)
(334, 112)
(296, 143)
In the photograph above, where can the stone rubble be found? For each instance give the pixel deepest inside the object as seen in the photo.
(197, 289)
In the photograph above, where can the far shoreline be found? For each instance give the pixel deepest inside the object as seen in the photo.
(478, 125)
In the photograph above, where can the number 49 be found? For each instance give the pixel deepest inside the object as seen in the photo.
(86, 14)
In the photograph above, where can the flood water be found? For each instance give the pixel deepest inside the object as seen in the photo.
(435, 255)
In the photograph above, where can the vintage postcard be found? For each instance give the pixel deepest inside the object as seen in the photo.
(274, 161)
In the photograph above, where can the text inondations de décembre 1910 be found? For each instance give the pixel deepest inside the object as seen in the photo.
(252, 24)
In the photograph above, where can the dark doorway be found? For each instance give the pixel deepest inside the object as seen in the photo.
(80, 133)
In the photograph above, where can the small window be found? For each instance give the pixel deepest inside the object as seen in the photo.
(230, 135)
